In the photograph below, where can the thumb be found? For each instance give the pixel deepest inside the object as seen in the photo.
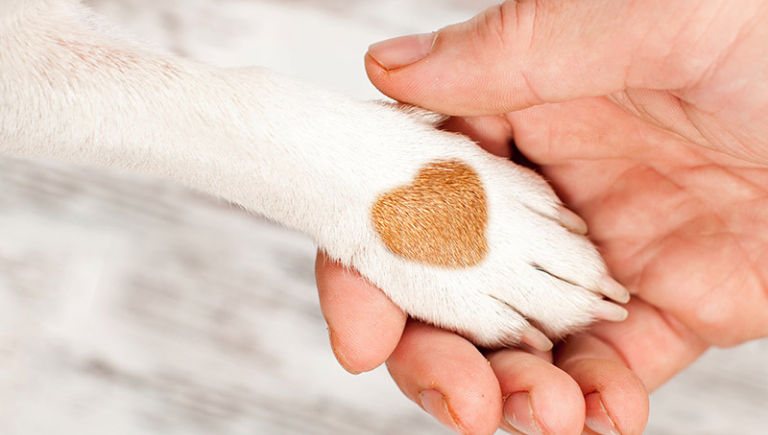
(514, 55)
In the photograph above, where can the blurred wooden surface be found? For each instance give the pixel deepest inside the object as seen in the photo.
(132, 306)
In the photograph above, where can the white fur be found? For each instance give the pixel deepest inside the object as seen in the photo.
(72, 89)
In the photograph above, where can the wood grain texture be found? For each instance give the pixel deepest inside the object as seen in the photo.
(133, 306)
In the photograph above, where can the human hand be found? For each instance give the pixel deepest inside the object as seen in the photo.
(671, 180)
(697, 69)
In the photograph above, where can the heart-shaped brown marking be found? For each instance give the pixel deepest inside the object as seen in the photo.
(440, 219)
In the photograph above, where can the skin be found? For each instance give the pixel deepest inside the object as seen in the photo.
(649, 118)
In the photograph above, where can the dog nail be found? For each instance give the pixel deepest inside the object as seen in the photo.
(536, 339)
(572, 221)
(605, 310)
(610, 288)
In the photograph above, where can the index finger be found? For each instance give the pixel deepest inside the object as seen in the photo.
(363, 323)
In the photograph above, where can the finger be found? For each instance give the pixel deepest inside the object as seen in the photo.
(523, 53)
(652, 343)
(511, 56)
(363, 324)
(493, 133)
(615, 398)
(616, 364)
(539, 397)
(448, 377)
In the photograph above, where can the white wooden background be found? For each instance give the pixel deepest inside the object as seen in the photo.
(131, 306)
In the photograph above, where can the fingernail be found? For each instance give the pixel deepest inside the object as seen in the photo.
(435, 404)
(598, 419)
(518, 414)
(572, 221)
(402, 51)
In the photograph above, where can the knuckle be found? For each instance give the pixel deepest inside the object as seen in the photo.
(508, 26)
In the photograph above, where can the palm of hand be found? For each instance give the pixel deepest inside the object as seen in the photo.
(676, 222)
(680, 225)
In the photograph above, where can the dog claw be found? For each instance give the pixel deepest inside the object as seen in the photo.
(605, 310)
(536, 339)
(572, 221)
(611, 289)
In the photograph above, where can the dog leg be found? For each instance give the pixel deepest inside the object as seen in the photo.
(453, 235)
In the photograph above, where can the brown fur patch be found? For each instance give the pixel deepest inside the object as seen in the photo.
(439, 219)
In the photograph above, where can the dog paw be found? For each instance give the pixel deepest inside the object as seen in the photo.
(473, 243)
